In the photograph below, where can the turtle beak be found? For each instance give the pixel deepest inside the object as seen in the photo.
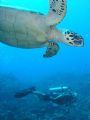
(78, 42)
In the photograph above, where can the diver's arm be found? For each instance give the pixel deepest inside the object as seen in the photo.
(65, 99)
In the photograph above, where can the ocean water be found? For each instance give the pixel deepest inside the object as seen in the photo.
(23, 68)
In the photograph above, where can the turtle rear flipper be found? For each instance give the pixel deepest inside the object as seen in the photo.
(57, 11)
(73, 39)
(52, 49)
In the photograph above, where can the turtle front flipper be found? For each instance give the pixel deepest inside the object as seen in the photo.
(73, 39)
(52, 49)
(57, 11)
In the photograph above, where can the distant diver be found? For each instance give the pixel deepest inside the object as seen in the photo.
(59, 95)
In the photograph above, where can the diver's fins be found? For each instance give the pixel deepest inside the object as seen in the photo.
(24, 92)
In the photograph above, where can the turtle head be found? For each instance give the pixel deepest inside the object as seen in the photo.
(73, 39)
(67, 37)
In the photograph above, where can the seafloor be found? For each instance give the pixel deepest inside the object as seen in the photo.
(31, 108)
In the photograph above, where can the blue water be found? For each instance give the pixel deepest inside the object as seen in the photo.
(20, 68)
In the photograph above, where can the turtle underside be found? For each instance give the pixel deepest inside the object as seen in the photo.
(26, 29)
(22, 29)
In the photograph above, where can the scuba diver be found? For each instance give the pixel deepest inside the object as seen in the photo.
(59, 95)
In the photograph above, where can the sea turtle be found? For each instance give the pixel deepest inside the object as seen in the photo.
(27, 29)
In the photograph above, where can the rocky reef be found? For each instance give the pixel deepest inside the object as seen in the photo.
(30, 108)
